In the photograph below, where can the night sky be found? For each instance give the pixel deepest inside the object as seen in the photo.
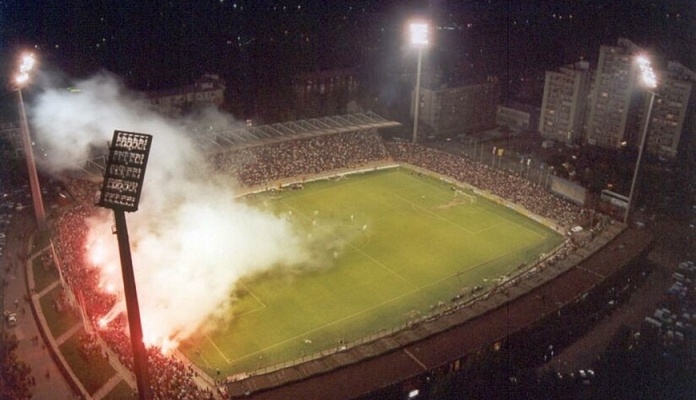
(262, 43)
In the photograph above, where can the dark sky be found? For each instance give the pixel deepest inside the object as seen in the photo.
(157, 44)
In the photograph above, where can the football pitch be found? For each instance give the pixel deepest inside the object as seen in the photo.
(392, 245)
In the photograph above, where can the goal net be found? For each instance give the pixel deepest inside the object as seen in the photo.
(465, 196)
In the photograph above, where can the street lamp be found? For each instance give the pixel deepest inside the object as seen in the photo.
(27, 64)
(419, 39)
(649, 82)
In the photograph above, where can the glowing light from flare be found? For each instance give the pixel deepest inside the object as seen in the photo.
(647, 74)
(165, 345)
(155, 333)
(27, 64)
(419, 34)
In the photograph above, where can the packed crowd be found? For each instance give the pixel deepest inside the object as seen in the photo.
(510, 187)
(171, 378)
(300, 157)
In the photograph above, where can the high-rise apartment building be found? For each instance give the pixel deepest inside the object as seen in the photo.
(607, 107)
(613, 100)
(564, 101)
(671, 109)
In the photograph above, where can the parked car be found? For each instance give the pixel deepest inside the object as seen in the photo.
(11, 318)
(586, 376)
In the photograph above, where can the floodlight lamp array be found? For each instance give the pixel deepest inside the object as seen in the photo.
(419, 34)
(25, 67)
(125, 171)
(647, 74)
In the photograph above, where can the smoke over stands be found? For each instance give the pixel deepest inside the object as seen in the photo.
(191, 240)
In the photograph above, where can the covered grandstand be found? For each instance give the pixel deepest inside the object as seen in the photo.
(218, 138)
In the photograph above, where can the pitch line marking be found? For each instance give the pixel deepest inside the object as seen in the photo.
(218, 349)
(436, 216)
(473, 267)
(347, 317)
(263, 305)
(304, 334)
(384, 266)
(514, 223)
(251, 293)
(485, 209)
(489, 227)
(349, 183)
(417, 289)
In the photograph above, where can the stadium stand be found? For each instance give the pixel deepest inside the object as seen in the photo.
(267, 162)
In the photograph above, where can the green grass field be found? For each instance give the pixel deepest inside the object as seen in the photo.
(396, 244)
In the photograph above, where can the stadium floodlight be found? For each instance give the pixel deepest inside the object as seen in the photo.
(420, 39)
(419, 34)
(649, 82)
(26, 65)
(125, 171)
(647, 75)
(123, 180)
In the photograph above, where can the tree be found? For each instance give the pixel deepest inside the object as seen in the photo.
(14, 373)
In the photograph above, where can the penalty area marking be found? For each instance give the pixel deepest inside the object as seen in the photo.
(263, 305)
(432, 214)
(227, 360)
(484, 209)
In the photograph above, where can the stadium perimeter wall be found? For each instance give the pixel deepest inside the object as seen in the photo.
(287, 379)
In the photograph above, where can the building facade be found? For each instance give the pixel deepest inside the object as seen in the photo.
(614, 100)
(11, 145)
(324, 93)
(564, 103)
(673, 105)
(206, 91)
(617, 104)
(517, 118)
(457, 110)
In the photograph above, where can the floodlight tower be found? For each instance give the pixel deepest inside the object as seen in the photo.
(419, 39)
(120, 191)
(21, 80)
(649, 82)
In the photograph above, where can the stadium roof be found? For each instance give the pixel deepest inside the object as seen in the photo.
(213, 139)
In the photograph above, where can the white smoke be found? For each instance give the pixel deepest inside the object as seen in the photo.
(191, 240)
